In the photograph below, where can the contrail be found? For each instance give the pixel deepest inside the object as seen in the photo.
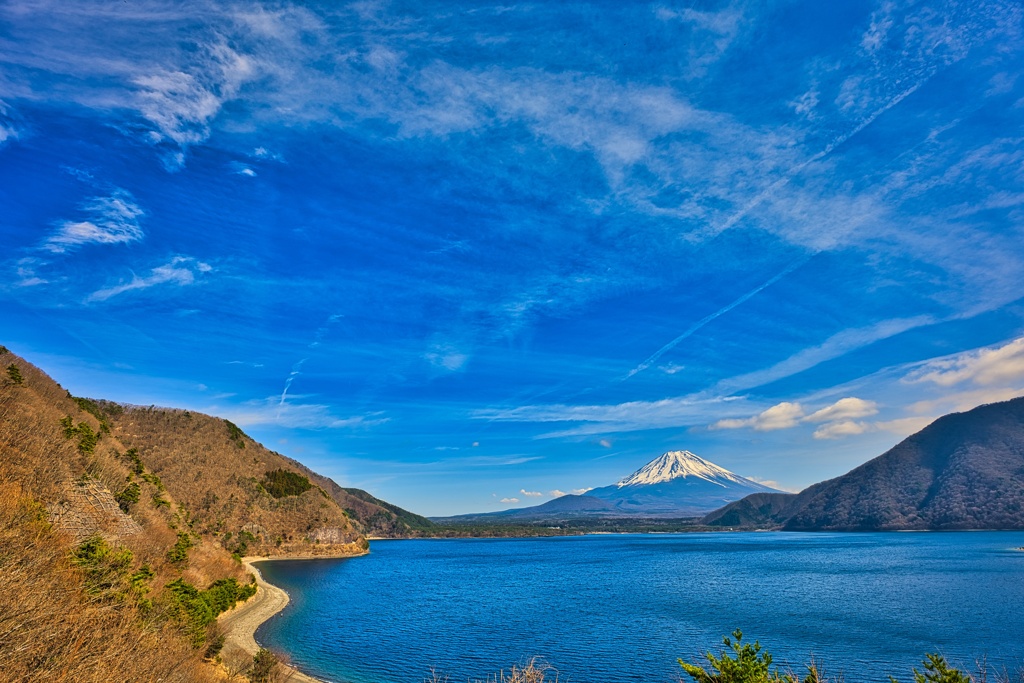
(785, 180)
(297, 368)
(296, 371)
(722, 311)
(735, 218)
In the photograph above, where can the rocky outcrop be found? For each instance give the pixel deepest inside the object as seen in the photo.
(88, 508)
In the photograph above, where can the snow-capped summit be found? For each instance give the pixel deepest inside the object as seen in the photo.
(674, 464)
(677, 483)
(673, 485)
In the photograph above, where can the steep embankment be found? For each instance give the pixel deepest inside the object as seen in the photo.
(963, 471)
(117, 528)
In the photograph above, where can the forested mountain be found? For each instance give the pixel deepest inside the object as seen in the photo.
(963, 471)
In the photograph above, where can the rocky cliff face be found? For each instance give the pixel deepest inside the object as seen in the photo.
(88, 507)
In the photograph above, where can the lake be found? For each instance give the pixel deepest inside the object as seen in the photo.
(625, 607)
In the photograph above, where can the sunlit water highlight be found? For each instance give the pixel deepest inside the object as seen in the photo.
(624, 608)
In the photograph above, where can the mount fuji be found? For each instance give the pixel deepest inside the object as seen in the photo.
(675, 484)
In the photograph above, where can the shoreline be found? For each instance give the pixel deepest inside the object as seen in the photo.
(239, 624)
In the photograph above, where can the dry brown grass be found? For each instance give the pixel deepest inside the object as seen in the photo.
(51, 631)
(534, 670)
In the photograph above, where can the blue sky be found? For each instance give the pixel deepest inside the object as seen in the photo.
(470, 256)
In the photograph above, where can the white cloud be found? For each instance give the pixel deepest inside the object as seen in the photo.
(27, 275)
(180, 271)
(780, 416)
(849, 408)
(531, 494)
(181, 104)
(558, 493)
(711, 33)
(509, 501)
(837, 430)
(446, 357)
(264, 153)
(994, 365)
(110, 220)
(242, 169)
(839, 416)
(605, 443)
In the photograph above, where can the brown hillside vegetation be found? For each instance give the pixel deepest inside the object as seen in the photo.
(220, 476)
(54, 631)
(117, 528)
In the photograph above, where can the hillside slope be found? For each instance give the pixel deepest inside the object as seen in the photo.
(963, 471)
(117, 528)
(226, 481)
(83, 584)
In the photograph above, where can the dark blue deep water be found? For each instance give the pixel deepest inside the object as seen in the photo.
(624, 608)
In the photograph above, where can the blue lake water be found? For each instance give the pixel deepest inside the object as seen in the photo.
(624, 608)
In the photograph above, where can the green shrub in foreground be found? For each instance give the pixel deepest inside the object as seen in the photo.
(748, 663)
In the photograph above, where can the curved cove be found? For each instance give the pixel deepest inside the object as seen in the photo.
(624, 608)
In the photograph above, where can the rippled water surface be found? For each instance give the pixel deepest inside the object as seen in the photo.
(624, 608)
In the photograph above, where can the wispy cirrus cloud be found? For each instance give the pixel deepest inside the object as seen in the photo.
(988, 366)
(835, 346)
(27, 272)
(956, 401)
(603, 419)
(113, 219)
(180, 104)
(180, 271)
(296, 414)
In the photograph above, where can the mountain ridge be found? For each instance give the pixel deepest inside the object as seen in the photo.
(963, 471)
